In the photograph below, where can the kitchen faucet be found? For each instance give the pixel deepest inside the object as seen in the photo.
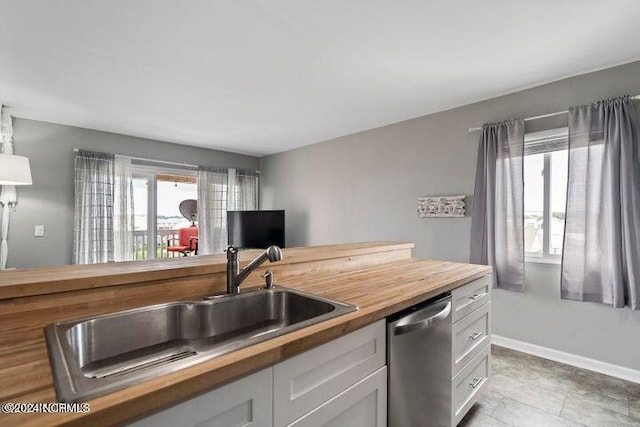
(235, 277)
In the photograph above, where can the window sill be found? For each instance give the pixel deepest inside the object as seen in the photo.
(542, 260)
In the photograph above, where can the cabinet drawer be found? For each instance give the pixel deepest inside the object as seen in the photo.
(305, 381)
(469, 382)
(469, 297)
(470, 336)
(361, 405)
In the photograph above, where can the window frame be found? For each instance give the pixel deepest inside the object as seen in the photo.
(545, 257)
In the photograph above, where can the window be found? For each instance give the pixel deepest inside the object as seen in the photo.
(545, 188)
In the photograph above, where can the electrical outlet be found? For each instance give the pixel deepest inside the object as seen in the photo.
(38, 231)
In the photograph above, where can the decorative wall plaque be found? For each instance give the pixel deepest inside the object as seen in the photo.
(441, 207)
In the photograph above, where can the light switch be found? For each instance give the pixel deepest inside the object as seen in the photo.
(38, 231)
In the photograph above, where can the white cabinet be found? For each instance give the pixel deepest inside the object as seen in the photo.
(247, 402)
(310, 379)
(340, 383)
(471, 355)
(364, 404)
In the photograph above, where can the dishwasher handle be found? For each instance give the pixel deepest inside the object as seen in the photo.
(401, 329)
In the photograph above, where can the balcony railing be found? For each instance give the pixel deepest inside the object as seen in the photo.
(163, 237)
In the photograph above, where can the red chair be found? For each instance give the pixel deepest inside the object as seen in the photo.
(187, 244)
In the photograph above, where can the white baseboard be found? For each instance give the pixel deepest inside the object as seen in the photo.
(628, 374)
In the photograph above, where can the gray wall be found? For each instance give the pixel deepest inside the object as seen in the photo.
(49, 200)
(364, 187)
(591, 330)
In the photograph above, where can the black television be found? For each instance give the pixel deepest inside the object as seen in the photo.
(255, 229)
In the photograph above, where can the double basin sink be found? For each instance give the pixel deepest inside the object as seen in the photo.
(97, 355)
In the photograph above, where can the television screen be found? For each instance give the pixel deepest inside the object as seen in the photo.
(255, 229)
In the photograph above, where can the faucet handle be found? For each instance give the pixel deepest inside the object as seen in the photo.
(268, 279)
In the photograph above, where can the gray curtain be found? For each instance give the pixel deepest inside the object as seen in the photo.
(93, 219)
(497, 225)
(246, 190)
(220, 190)
(601, 255)
(212, 210)
(123, 211)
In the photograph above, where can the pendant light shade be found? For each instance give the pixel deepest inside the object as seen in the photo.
(14, 170)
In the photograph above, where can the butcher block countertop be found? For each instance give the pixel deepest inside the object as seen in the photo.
(392, 283)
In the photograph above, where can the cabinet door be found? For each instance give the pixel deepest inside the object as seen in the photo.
(246, 402)
(364, 404)
(307, 380)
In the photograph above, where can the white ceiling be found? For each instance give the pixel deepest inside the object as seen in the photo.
(261, 77)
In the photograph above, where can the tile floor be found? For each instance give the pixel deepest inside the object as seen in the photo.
(530, 391)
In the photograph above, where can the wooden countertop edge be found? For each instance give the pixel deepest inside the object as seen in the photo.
(171, 389)
(49, 280)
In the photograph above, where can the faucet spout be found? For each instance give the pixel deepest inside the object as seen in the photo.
(235, 276)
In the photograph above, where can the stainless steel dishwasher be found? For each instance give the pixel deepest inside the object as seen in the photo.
(419, 361)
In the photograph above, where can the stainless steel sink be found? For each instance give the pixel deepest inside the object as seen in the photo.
(93, 356)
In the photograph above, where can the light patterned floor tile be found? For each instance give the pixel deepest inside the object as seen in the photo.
(522, 415)
(634, 408)
(476, 418)
(536, 376)
(488, 400)
(532, 395)
(585, 412)
(590, 380)
(524, 385)
(611, 401)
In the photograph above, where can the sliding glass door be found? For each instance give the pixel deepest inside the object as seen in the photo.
(157, 197)
(172, 190)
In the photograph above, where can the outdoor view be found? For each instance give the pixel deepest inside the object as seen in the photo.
(534, 196)
(559, 173)
(171, 190)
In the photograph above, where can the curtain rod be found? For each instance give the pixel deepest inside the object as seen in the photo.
(142, 159)
(542, 116)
